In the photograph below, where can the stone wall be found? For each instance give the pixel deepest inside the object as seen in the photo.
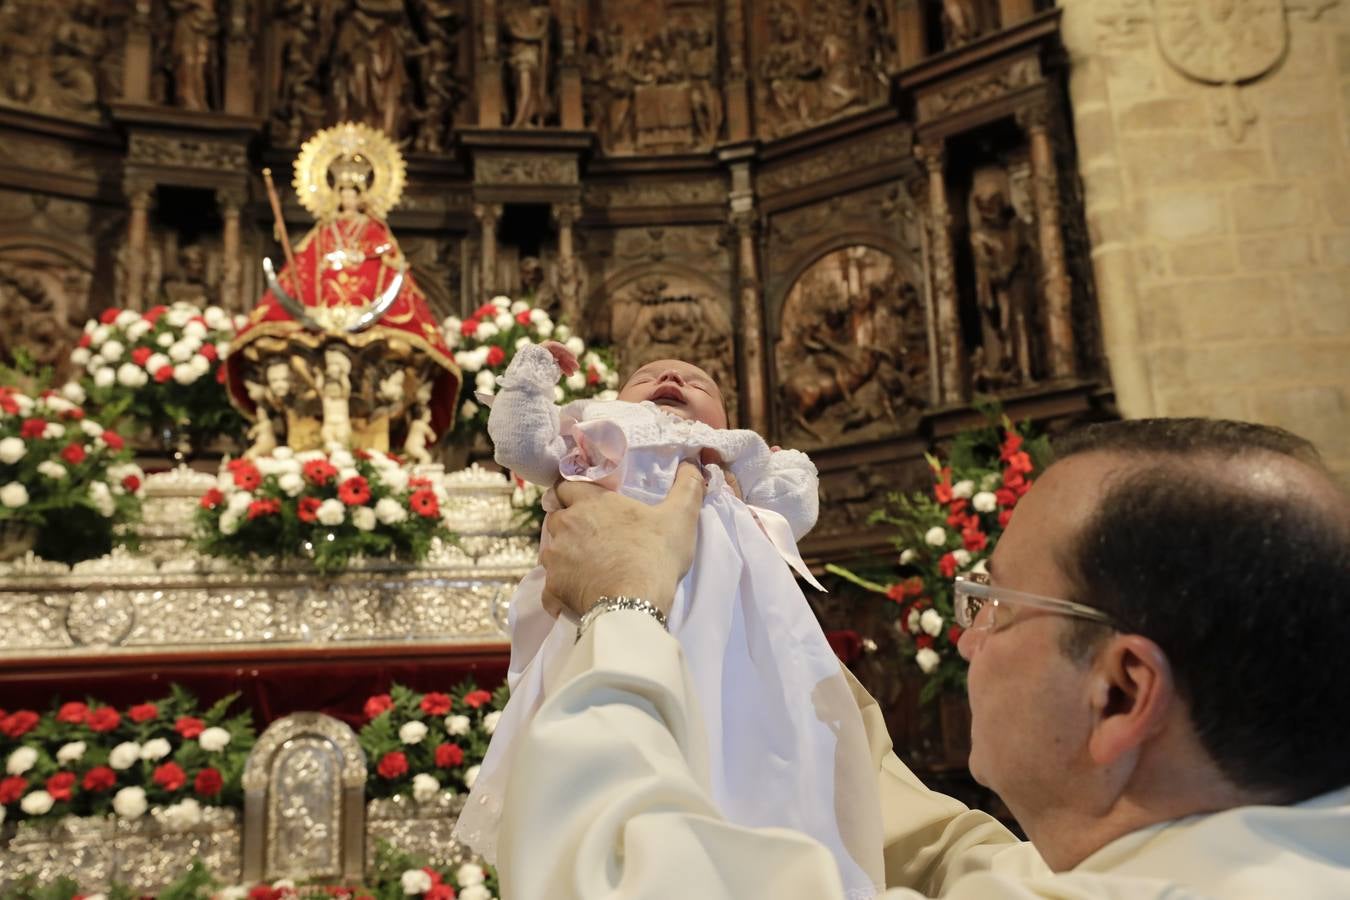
(1220, 214)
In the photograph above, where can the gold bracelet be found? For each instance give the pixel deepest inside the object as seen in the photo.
(609, 604)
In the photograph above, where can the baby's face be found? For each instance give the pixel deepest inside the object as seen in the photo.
(683, 388)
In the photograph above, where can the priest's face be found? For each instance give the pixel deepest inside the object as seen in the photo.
(680, 387)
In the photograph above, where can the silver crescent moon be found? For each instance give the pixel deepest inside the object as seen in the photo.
(288, 303)
(374, 314)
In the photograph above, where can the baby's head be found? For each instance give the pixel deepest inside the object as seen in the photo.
(681, 387)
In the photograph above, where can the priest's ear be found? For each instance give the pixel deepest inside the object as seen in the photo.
(1132, 696)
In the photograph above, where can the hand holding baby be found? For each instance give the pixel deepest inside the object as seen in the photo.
(566, 359)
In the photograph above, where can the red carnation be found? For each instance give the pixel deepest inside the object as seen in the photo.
(246, 478)
(496, 356)
(468, 327)
(60, 785)
(1021, 462)
(103, 719)
(448, 755)
(954, 634)
(17, 724)
(1012, 442)
(220, 375)
(947, 565)
(1004, 517)
(434, 704)
(475, 699)
(923, 640)
(73, 454)
(1006, 497)
(423, 502)
(211, 499)
(11, 789)
(308, 509)
(131, 484)
(72, 713)
(264, 892)
(32, 428)
(113, 440)
(592, 376)
(189, 726)
(975, 540)
(85, 340)
(486, 311)
(209, 352)
(140, 355)
(152, 314)
(440, 892)
(170, 776)
(354, 491)
(74, 414)
(378, 704)
(143, 712)
(393, 765)
(208, 782)
(319, 472)
(956, 519)
(260, 508)
(433, 875)
(99, 778)
(523, 317)
(942, 492)
(108, 316)
(163, 373)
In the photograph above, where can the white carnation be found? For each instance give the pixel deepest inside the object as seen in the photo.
(185, 374)
(984, 502)
(558, 395)
(415, 882)
(21, 760)
(91, 428)
(912, 621)
(389, 511)
(395, 479)
(347, 474)
(156, 361)
(55, 430)
(519, 307)
(214, 739)
(412, 732)
(935, 536)
(363, 517)
(129, 802)
(961, 556)
(927, 659)
(963, 489)
(181, 816)
(342, 459)
(72, 391)
(179, 314)
(155, 749)
(485, 381)
(12, 449)
(125, 755)
(80, 356)
(195, 329)
(331, 512)
(238, 502)
(475, 892)
(907, 556)
(490, 721)
(101, 496)
(471, 775)
(468, 410)
(14, 495)
(501, 301)
(486, 331)
(561, 332)
(544, 329)
(165, 340)
(425, 788)
(293, 483)
(104, 377)
(607, 395)
(576, 345)
(36, 803)
(131, 375)
(137, 330)
(457, 724)
(576, 381)
(523, 342)
(470, 874)
(127, 318)
(200, 364)
(538, 315)
(504, 321)
(468, 361)
(100, 334)
(931, 622)
(229, 522)
(71, 752)
(112, 351)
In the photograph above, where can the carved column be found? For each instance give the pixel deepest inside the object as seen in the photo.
(238, 65)
(136, 59)
(487, 215)
(910, 31)
(1055, 286)
(140, 195)
(570, 114)
(736, 85)
(1010, 12)
(951, 348)
(750, 298)
(569, 283)
(230, 201)
(490, 104)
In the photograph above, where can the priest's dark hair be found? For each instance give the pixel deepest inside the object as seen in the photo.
(1243, 581)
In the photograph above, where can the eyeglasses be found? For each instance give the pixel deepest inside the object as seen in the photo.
(974, 592)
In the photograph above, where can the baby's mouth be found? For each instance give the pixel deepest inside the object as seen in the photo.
(668, 395)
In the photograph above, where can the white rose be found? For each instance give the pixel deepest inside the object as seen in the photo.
(457, 725)
(129, 802)
(486, 331)
(112, 351)
(935, 536)
(185, 374)
(501, 301)
(504, 321)
(412, 732)
(165, 340)
(907, 556)
(12, 449)
(561, 332)
(125, 755)
(962, 557)
(71, 752)
(155, 749)
(475, 892)
(292, 483)
(485, 381)
(984, 502)
(519, 307)
(468, 410)
(912, 621)
(104, 377)
(331, 512)
(137, 330)
(931, 622)
(131, 375)
(471, 775)
(80, 356)
(21, 760)
(126, 318)
(36, 803)
(156, 361)
(363, 517)
(415, 882)
(470, 874)
(13, 495)
(490, 721)
(425, 788)
(214, 739)
(963, 489)
(927, 660)
(390, 511)
(576, 345)
(102, 498)
(185, 814)
(72, 391)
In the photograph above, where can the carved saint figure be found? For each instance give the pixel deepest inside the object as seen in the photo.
(786, 68)
(440, 88)
(961, 22)
(189, 283)
(1004, 280)
(420, 436)
(369, 79)
(299, 104)
(334, 384)
(527, 30)
(195, 31)
(262, 434)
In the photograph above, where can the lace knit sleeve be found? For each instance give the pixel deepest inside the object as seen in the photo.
(524, 421)
(788, 485)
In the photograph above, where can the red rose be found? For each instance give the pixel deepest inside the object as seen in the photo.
(131, 484)
(435, 704)
(393, 765)
(496, 356)
(32, 428)
(99, 778)
(72, 713)
(108, 316)
(1003, 518)
(11, 789)
(73, 454)
(266, 507)
(448, 755)
(170, 776)
(246, 478)
(954, 634)
(947, 565)
(105, 718)
(468, 327)
(319, 472)
(208, 782)
(143, 712)
(140, 355)
(163, 373)
(189, 727)
(113, 440)
(17, 724)
(475, 699)
(211, 499)
(975, 540)
(440, 892)
(308, 509)
(378, 704)
(208, 351)
(523, 317)
(85, 340)
(60, 785)
(423, 502)
(152, 314)
(354, 491)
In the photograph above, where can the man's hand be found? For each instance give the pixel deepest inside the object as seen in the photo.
(565, 359)
(604, 544)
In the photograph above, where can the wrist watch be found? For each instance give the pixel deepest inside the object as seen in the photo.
(609, 604)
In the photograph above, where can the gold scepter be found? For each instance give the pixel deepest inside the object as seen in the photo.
(280, 221)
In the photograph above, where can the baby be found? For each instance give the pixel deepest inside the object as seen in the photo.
(786, 745)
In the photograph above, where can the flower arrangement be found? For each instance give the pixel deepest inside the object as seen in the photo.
(486, 341)
(419, 745)
(952, 530)
(64, 478)
(160, 369)
(165, 757)
(328, 507)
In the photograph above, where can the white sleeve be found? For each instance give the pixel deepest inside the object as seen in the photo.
(786, 483)
(524, 420)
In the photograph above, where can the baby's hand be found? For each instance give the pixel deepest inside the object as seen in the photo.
(710, 457)
(564, 357)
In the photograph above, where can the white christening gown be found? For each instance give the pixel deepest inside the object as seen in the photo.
(786, 740)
